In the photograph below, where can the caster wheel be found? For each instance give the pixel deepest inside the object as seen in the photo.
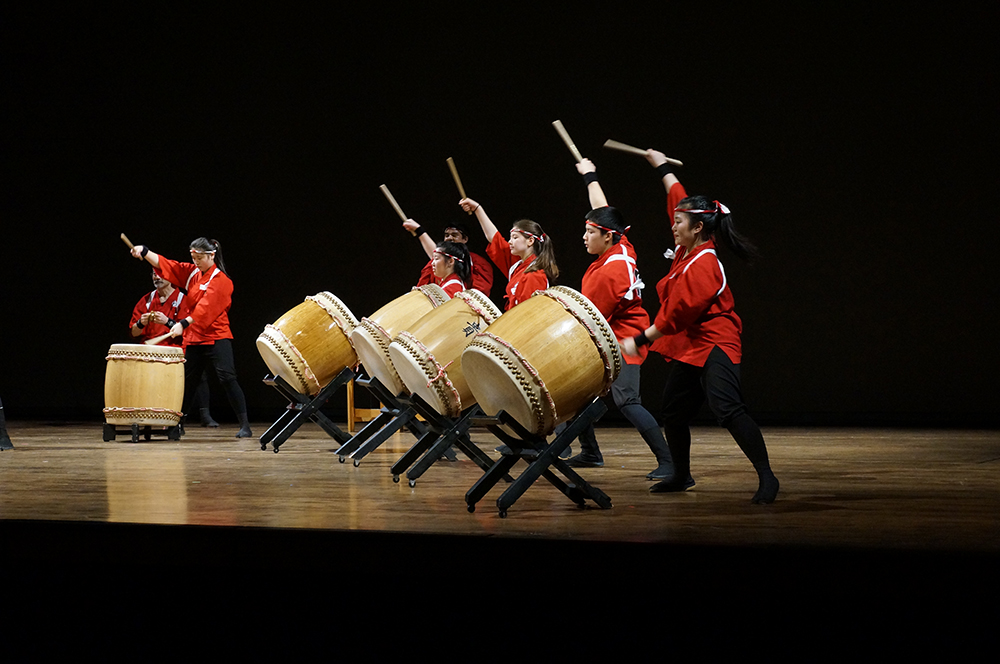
(135, 433)
(357, 462)
(275, 450)
(503, 514)
(471, 509)
(395, 479)
(413, 483)
(263, 447)
(341, 459)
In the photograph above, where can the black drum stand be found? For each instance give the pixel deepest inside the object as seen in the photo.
(303, 408)
(111, 431)
(541, 457)
(394, 416)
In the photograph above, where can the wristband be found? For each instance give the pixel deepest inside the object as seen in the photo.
(640, 340)
(145, 250)
(184, 322)
(589, 177)
(418, 231)
(663, 169)
(139, 325)
(171, 322)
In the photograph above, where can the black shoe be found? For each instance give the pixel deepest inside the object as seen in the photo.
(662, 472)
(245, 432)
(5, 443)
(668, 486)
(584, 460)
(206, 419)
(566, 453)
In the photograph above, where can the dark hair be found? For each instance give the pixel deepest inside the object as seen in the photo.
(204, 244)
(718, 222)
(545, 253)
(460, 227)
(609, 219)
(463, 266)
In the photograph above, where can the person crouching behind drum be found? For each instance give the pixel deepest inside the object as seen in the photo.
(204, 322)
(528, 259)
(153, 316)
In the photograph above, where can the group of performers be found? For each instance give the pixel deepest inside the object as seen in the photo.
(696, 330)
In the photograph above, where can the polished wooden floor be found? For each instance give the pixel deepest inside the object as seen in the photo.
(868, 488)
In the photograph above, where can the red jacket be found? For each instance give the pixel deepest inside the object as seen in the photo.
(612, 284)
(149, 304)
(482, 274)
(520, 284)
(451, 284)
(696, 306)
(209, 296)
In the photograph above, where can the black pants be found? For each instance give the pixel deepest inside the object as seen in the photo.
(219, 358)
(718, 383)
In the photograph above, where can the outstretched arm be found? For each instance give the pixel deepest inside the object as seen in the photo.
(594, 191)
(489, 229)
(151, 258)
(425, 240)
(657, 159)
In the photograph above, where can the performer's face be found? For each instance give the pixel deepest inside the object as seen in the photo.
(202, 260)
(595, 240)
(684, 234)
(442, 265)
(520, 245)
(454, 235)
(159, 282)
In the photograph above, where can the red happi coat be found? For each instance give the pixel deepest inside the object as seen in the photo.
(209, 296)
(151, 303)
(520, 283)
(612, 283)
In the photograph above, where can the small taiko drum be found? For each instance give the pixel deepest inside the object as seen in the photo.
(543, 360)
(428, 355)
(372, 336)
(144, 385)
(311, 344)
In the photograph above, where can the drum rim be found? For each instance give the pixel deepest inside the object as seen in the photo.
(609, 351)
(348, 316)
(438, 375)
(307, 379)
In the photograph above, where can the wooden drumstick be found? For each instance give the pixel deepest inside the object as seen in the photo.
(458, 180)
(127, 242)
(622, 147)
(156, 340)
(392, 201)
(567, 140)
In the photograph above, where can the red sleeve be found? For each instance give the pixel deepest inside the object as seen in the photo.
(691, 294)
(137, 312)
(528, 284)
(175, 272)
(216, 300)
(499, 252)
(674, 196)
(427, 275)
(482, 274)
(606, 287)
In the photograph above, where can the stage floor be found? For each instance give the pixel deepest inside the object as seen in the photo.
(846, 488)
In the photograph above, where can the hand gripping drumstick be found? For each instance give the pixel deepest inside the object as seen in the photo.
(615, 145)
(458, 180)
(156, 340)
(127, 242)
(392, 201)
(568, 141)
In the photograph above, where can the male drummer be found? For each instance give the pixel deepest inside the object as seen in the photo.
(153, 316)
(482, 269)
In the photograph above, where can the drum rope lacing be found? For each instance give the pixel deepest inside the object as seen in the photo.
(156, 413)
(333, 307)
(612, 343)
(306, 377)
(429, 365)
(146, 357)
(383, 340)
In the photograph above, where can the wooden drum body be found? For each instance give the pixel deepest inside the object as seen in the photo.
(310, 345)
(144, 385)
(543, 360)
(372, 336)
(428, 356)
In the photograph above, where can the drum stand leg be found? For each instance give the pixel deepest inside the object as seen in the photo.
(301, 409)
(135, 430)
(393, 417)
(540, 458)
(446, 433)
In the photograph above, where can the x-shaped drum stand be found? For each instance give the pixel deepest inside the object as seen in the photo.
(394, 416)
(301, 409)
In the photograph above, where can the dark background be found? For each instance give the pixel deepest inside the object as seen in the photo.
(855, 148)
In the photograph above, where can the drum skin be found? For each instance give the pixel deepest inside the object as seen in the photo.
(543, 360)
(372, 336)
(144, 385)
(310, 345)
(428, 356)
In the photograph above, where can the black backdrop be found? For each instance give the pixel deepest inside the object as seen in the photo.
(855, 149)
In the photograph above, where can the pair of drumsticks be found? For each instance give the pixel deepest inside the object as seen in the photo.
(155, 340)
(610, 144)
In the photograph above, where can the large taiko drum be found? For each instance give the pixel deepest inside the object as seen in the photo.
(310, 344)
(428, 356)
(543, 360)
(372, 336)
(144, 385)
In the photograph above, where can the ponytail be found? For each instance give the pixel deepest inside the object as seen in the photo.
(716, 218)
(545, 253)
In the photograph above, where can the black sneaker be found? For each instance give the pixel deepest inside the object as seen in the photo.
(584, 460)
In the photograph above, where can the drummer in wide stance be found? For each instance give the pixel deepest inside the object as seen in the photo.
(450, 265)
(153, 316)
(613, 285)
(528, 259)
(698, 329)
(204, 320)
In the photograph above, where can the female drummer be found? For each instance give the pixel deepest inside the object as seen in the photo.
(613, 285)
(204, 322)
(697, 327)
(528, 259)
(451, 263)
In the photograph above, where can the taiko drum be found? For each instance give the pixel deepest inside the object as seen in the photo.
(144, 385)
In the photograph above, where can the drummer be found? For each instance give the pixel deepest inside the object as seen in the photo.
(451, 263)
(204, 322)
(153, 316)
(528, 259)
(613, 285)
(482, 271)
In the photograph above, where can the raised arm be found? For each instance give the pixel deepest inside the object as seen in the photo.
(141, 251)
(489, 229)
(425, 240)
(594, 191)
(657, 159)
